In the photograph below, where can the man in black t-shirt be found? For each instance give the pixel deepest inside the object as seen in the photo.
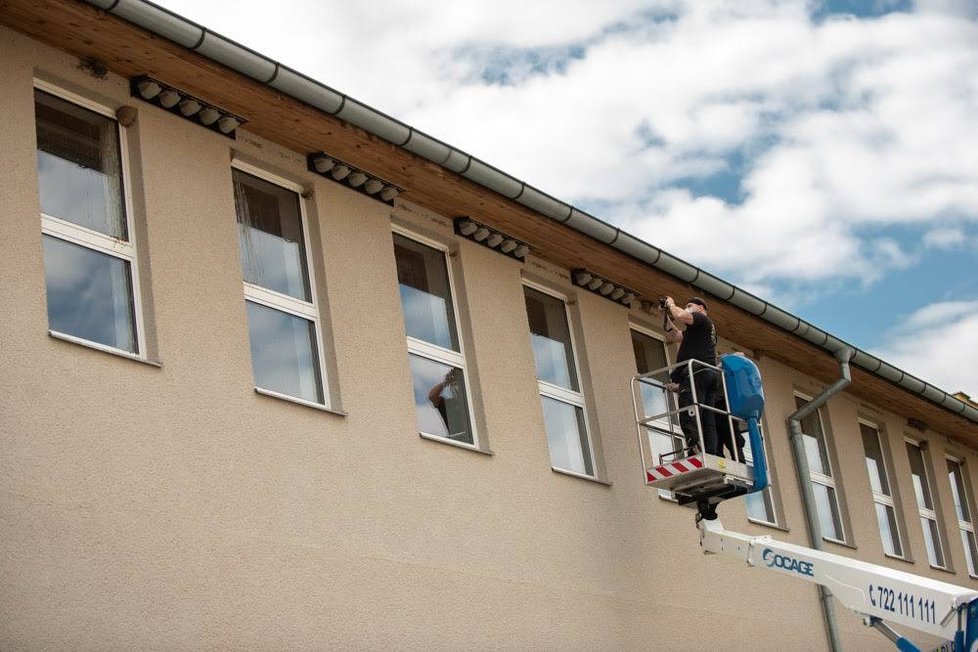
(698, 341)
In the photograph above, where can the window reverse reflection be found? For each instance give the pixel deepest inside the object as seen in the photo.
(283, 353)
(89, 294)
(440, 399)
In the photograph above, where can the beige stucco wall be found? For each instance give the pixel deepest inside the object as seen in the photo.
(171, 506)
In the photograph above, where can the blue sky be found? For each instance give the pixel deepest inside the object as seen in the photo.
(822, 154)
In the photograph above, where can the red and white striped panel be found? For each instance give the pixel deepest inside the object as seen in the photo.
(671, 469)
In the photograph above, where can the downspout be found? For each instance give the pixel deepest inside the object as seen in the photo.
(804, 480)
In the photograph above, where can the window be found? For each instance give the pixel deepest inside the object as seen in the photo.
(879, 481)
(820, 470)
(89, 252)
(923, 490)
(280, 293)
(650, 354)
(664, 437)
(560, 390)
(961, 491)
(434, 350)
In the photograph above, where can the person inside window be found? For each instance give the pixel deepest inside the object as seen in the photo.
(441, 393)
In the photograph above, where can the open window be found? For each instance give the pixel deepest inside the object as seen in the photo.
(436, 356)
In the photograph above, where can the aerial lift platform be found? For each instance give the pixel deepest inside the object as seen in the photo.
(879, 594)
(693, 476)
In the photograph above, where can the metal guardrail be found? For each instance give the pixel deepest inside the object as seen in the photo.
(668, 422)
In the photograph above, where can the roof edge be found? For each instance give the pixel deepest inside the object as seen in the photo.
(173, 27)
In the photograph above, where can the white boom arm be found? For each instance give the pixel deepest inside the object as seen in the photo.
(922, 604)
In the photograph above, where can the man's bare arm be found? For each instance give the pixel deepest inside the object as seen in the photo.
(677, 314)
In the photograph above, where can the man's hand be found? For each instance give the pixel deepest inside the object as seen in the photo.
(673, 334)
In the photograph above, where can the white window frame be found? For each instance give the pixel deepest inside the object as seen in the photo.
(884, 499)
(924, 512)
(823, 479)
(438, 354)
(560, 394)
(965, 526)
(283, 302)
(100, 242)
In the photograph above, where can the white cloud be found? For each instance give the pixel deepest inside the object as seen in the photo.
(836, 131)
(944, 238)
(939, 344)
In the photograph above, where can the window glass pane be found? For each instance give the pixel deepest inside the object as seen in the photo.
(886, 517)
(440, 399)
(270, 234)
(874, 460)
(89, 294)
(932, 539)
(970, 551)
(650, 354)
(663, 443)
(759, 506)
(551, 339)
(425, 293)
(78, 166)
(284, 355)
(566, 436)
(919, 475)
(956, 478)
(814, 440)
(828, 511)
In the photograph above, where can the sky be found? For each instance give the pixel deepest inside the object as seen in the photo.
(822, 154)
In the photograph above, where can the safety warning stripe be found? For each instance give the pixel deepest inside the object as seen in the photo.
(673, 468)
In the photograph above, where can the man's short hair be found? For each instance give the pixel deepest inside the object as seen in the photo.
(697, 301)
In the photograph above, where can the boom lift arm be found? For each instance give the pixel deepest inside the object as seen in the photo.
(875, 592)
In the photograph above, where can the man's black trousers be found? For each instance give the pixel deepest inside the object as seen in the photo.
(705, 381)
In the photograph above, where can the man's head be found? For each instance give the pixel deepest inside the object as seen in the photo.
(695, 304)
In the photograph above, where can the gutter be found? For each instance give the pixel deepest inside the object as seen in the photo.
(805, 484)
(197, 38)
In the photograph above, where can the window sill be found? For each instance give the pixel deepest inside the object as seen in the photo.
(844, 544)
(456, 444)
(773, 526)
(119, 353)
(943, 569)
(906, 560)
(581, 476)
(299, 401)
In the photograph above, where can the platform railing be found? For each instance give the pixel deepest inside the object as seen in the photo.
(669, 421)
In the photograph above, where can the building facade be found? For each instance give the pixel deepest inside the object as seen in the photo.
(252, 404)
